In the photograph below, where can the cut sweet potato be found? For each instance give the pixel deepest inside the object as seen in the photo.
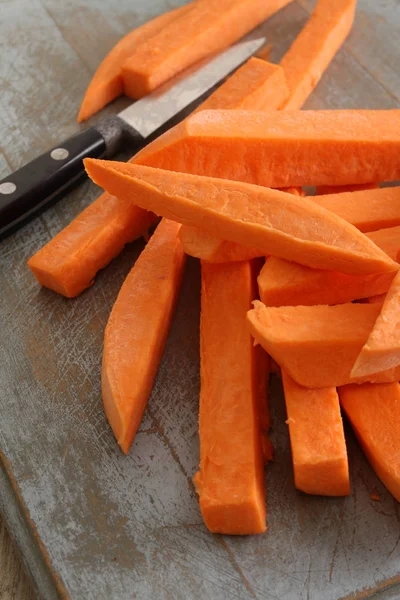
(284, 283)
(256, 85)
(323, 190)
(68, 263)
(205, 29)
(137, 330)
(278, 223)
(367, 210)
(282, 148)
(314, 48)
(378, 299)
(230, 481)
(107, 83)
(317, 439)
(382, 348)
(374, 413)
(200, 244)
(317, 345)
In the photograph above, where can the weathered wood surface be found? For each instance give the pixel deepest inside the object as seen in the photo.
(14, 583)
(116, 527)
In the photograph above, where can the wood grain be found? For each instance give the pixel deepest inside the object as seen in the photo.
(115, 527)
(14, 583)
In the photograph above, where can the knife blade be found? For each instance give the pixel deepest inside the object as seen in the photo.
(44, 179)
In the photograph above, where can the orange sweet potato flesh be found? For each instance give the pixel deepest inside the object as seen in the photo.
(317, 345)
(283, 148)
(322, 190)
(256, 85)
(107, 82)
(367, 210)
(314, 48)
(379, 298)
(207, 28)
(317, 439)
(69, 262)
(200, 244)
(230, 482)
(374, 414)
(278, 223)
(382, 348)
(137, 330)
(284, 283)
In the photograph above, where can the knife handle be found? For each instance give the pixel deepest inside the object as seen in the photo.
(43, 179)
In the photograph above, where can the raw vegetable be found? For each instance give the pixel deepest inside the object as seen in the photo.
(200, 244)
(317, 345)
(256, 85)
(107, 83)
(314, 48)
(367, 210)
(284, 283)
(206, 28)
(379, 298)
(278, 223)
(374, 413)
(317, 439)
(230, 481)
(323, 190)
(137, 330)
(382, 348)
(283, 148)
(68, 263)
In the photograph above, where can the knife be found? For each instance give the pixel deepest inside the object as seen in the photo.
(43, 180)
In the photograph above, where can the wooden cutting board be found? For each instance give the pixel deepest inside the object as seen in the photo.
(90, 522)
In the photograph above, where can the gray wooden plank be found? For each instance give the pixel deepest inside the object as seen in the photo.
(115, 525)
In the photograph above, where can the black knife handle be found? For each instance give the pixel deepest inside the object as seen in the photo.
(43, 180)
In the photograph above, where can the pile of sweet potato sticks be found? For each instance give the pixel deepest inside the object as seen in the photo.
(309, 281)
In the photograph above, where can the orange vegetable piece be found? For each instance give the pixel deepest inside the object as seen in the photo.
(107, 82)
(284, 283)
(205, 29)
(382, 348)
(367, 210)
(276, 222)
(283, 148)
(322, 190)
(374, 414)
(317, 345)
(68, 263)
(230, 481)
(378, 299)
(200, 244)
(314, 48)
(256, 85)
(137, 330)
(317, 439)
